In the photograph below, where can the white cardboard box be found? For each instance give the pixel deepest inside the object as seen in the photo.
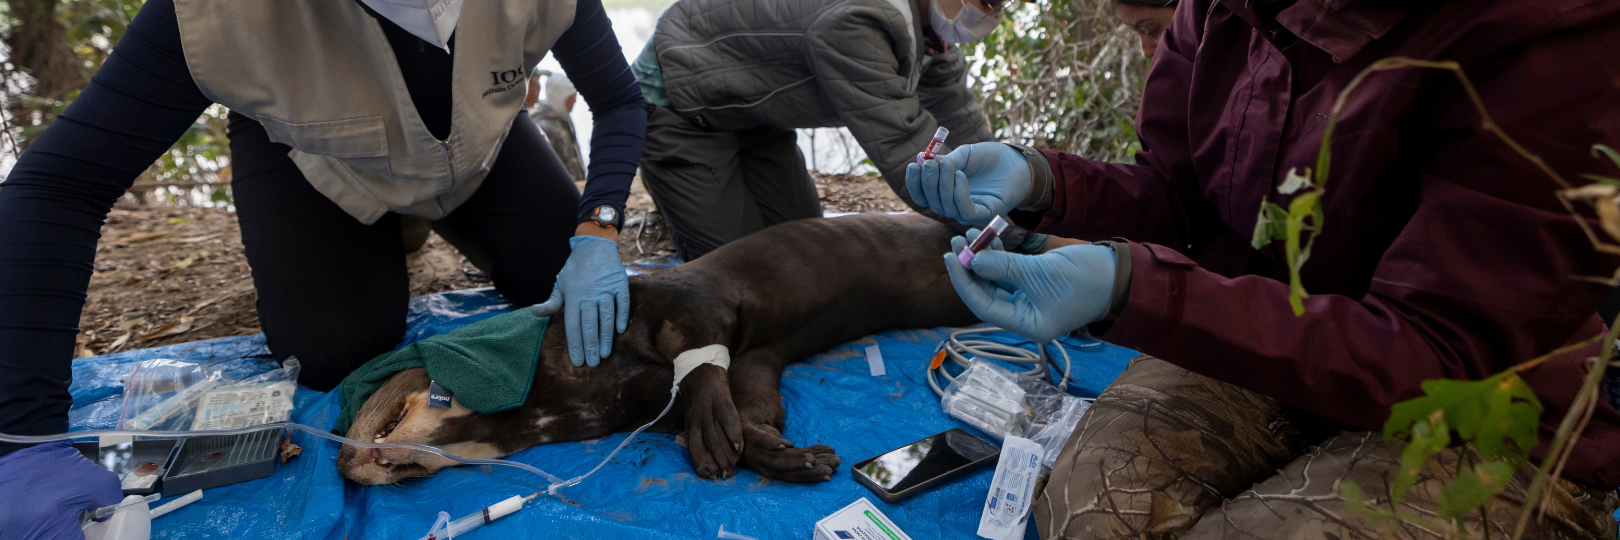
(858, 521)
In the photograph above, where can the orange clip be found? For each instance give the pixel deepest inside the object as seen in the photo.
(939, 360)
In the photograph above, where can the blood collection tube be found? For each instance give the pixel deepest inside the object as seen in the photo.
(982, 243)
(928, 151)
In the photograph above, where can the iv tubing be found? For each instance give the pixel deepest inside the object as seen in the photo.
(577, 479)
(37, 439)
(556, 483)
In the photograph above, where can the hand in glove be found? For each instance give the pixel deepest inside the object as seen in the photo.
(1040, 297)
(46, 487)
(593, 294)
(973, 184)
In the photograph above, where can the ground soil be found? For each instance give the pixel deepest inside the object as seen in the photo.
(170, 275)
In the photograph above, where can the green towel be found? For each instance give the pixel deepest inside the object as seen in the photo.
(488, 365)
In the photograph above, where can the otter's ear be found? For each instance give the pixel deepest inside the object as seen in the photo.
(384, 404)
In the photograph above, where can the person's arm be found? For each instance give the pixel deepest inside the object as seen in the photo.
(1156, 199)
(852, 55)
(1487, 272)
(54, 202)
(591, 56)
(943, 92)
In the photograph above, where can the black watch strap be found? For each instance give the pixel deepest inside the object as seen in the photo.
(608, 216)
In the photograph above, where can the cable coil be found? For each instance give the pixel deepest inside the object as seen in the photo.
(960, 351)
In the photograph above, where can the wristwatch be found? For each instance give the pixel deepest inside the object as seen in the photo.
(607, 216)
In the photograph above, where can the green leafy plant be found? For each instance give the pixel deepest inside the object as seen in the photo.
(196, 170)
(1061, 74)
(1497, 417)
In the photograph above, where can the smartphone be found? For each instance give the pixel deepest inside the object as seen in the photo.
(922, 465)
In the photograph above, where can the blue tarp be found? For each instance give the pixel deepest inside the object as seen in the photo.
(648, 491)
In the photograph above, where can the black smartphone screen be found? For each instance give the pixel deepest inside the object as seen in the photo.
(918, 462)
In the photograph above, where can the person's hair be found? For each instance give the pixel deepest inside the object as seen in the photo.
(1148, 3)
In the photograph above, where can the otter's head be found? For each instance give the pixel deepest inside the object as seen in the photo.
(565, 403)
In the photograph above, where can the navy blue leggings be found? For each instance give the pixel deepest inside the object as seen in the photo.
(333, 291)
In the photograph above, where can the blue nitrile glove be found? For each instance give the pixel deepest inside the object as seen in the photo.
(46, 487)
(973, 184)
(593, 295)
(1040, 297)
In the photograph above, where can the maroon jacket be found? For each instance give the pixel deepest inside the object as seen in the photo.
(1444, 254)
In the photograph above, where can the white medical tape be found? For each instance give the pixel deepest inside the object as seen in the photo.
(687, 361)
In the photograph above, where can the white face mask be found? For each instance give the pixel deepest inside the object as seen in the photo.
(431, 20)
(969, 25)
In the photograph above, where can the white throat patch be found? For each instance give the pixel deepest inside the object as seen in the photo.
(687, 361)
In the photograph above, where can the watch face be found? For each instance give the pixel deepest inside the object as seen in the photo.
(607, 213)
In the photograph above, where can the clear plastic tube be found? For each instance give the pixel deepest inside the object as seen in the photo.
(556, 482)
(988, 235)
(928, 151)
(577, 479)
(37, 439)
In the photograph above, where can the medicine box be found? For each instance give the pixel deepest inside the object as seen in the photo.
(858, 521)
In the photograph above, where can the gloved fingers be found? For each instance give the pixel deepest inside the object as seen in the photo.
(954, 194)
(606, 317)
(551, 306)
(1000, 266)
(958, 159)
(623, 299)
(588, 324)
(978, 296)
(987, 206)
(944, 189)
(571, 330)
(104, 488)
(914, 184)
(930, 185)
(1005, 294)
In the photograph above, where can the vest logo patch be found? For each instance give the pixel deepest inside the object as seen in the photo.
(501, 81)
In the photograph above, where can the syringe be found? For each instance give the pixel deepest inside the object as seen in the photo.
(450, 529)
(928, 151)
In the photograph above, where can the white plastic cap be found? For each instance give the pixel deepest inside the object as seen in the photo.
(506, 507)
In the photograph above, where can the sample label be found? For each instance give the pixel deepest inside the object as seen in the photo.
(243, 407)
(1006, 508)
(874, 361)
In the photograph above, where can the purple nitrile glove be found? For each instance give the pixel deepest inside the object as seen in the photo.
(46, 487)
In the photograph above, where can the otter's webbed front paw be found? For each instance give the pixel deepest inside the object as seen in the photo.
(714, 436)
(772, 456)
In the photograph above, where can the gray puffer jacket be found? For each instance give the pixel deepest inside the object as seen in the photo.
(738, 64)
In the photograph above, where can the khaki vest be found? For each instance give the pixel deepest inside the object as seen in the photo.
(321, 77)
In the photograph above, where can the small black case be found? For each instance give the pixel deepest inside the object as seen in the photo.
(208, 462)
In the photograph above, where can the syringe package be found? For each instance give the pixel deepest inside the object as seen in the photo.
(999, 403)
(1053, 416)
(988, 397)
(174, 395)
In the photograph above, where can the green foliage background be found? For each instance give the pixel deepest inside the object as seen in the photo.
(195, 171)
(1062, 74)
